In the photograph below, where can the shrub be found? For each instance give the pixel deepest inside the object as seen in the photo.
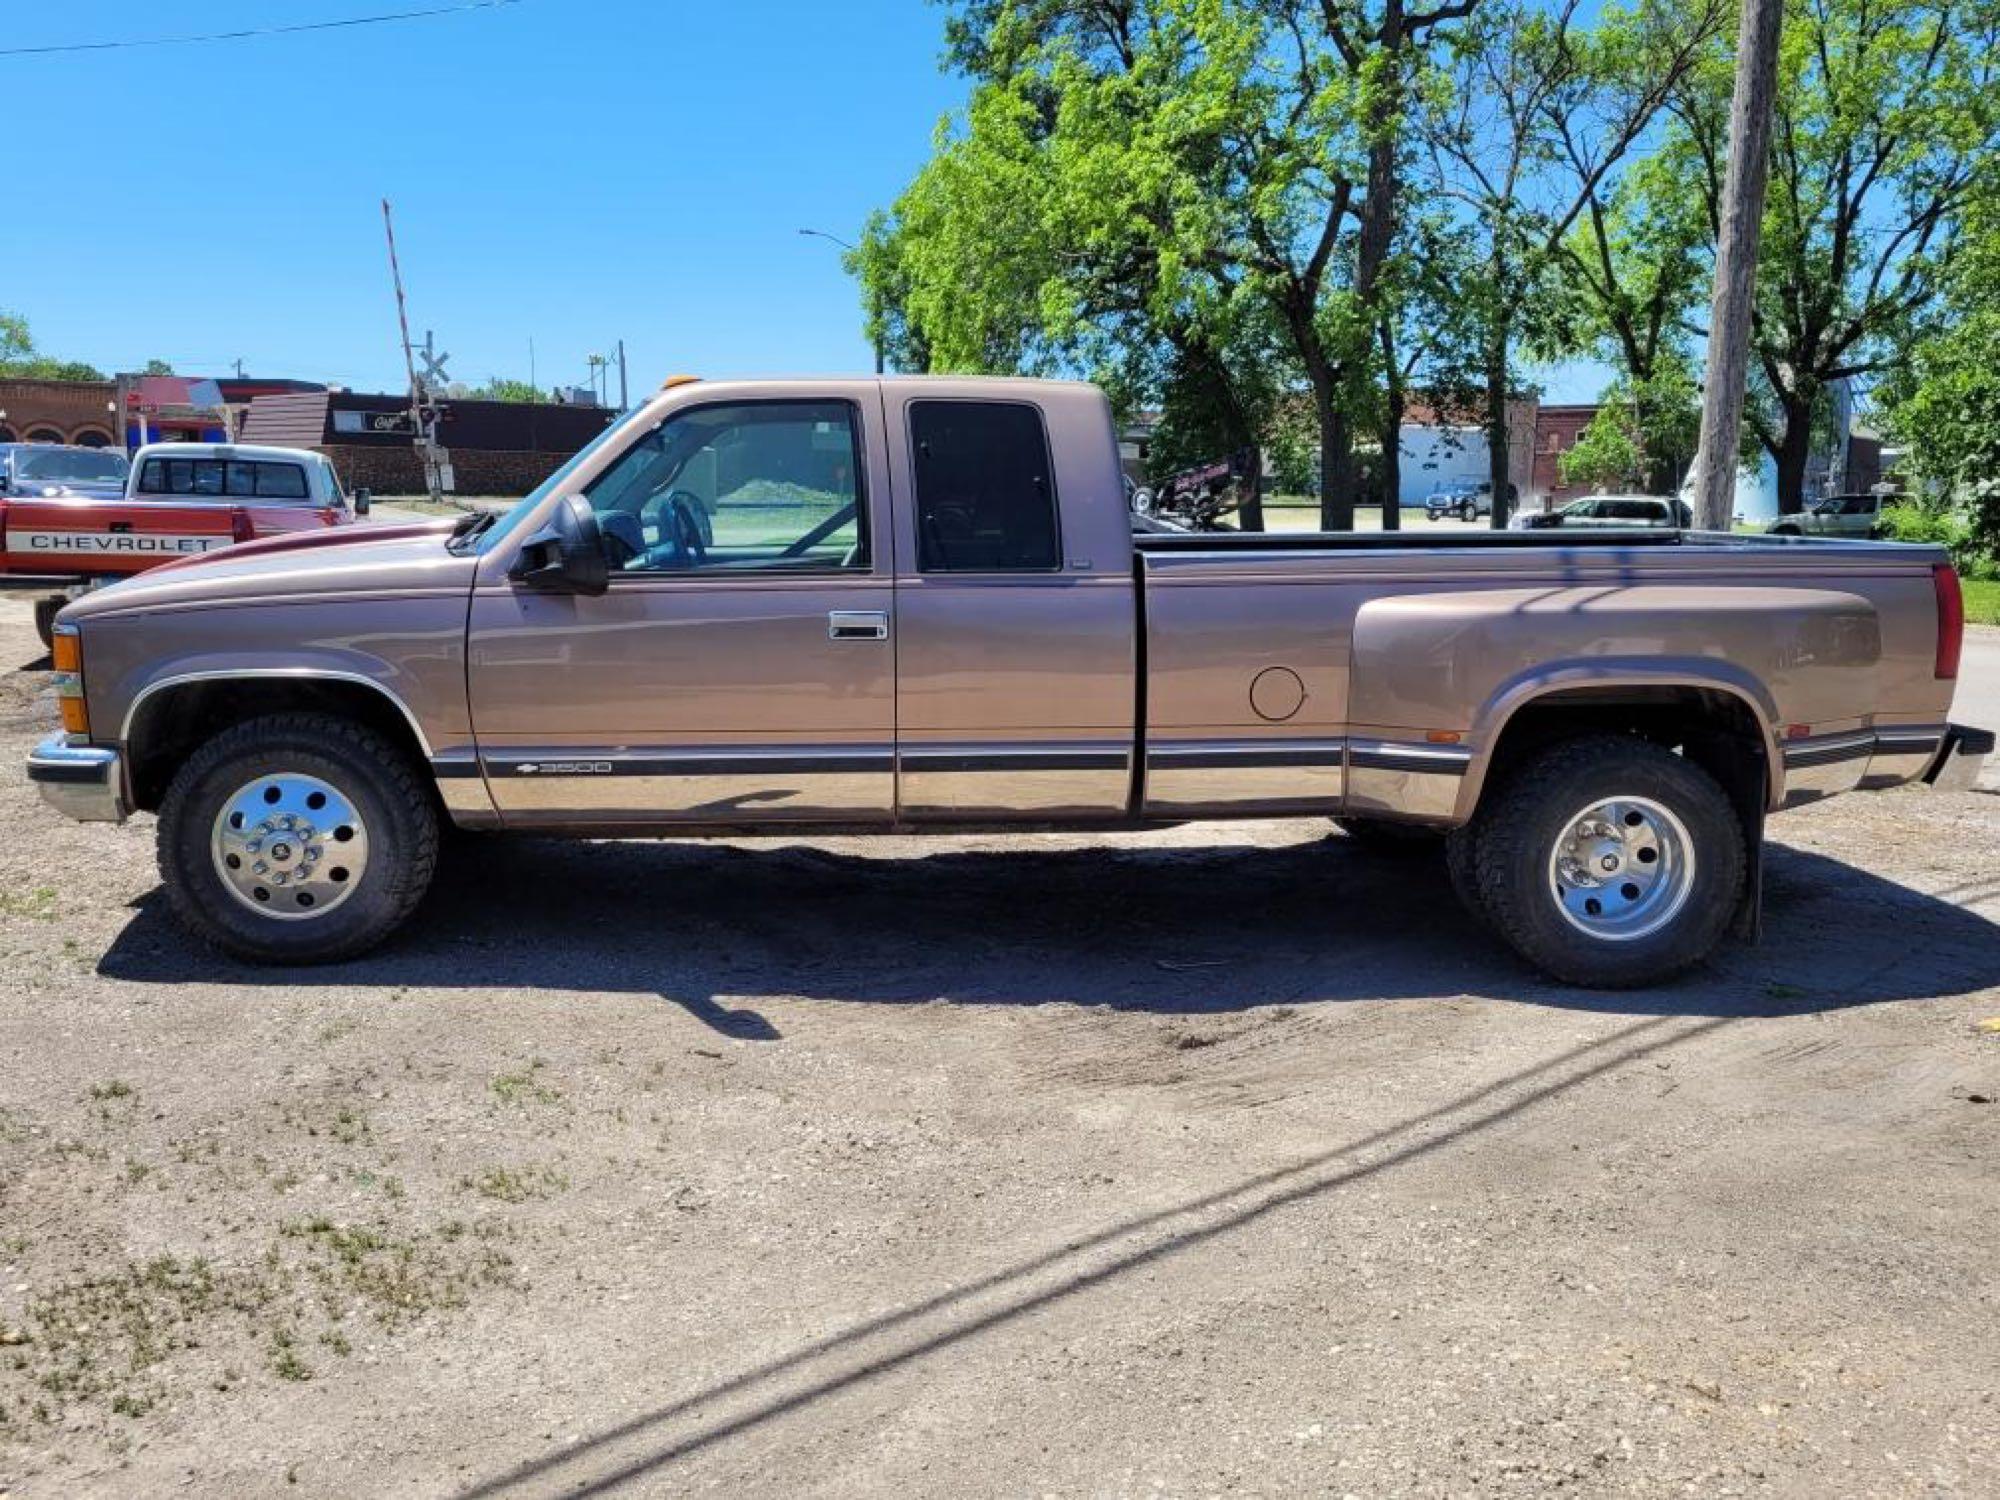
(1942, 526)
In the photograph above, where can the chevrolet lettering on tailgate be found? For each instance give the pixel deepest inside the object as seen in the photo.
(73, 520)
(122, 543)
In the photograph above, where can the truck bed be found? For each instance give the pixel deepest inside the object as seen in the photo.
(78, 538)
(1595, 538)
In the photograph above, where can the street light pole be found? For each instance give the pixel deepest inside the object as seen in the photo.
(836, 239)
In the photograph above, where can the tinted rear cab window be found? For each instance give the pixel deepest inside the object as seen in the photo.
(986, 498)
(215, 477)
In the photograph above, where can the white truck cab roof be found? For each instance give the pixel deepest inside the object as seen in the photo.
(294, 474)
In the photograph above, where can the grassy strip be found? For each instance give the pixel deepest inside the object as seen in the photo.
(1982, 600)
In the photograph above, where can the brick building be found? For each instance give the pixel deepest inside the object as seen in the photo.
(83, 412)
(1557, 429)
(496, 447)
(156, 408)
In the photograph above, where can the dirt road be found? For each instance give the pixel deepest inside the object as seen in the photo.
(1224, 1160)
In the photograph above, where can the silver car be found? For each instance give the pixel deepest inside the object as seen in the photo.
(1610, 510)
(1857, 516)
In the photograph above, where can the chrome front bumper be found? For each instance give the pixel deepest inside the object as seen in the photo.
(85, 782)
(1960, 759)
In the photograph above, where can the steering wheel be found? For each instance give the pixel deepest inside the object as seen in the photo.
(688, 522)
(822, 531)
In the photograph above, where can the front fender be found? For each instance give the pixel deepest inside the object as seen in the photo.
(411, 650)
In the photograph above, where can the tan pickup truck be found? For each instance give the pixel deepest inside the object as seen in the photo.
(918, 605)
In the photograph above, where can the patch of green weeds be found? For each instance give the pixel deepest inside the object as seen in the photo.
(517, 1185)
(525, 1086)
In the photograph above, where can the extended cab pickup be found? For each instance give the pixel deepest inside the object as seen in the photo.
(917, 604)
(75, 519)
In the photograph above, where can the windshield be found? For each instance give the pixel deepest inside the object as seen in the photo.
(554, 483)
(102, 464)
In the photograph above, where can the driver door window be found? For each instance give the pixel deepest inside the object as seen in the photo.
(739, 487)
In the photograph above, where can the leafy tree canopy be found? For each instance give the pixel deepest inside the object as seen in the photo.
(19, 357)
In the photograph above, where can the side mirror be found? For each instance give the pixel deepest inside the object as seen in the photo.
(567, 555)
(362, 500)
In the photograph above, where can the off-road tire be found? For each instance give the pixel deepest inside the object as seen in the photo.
(1529, 812)
(384, 785)
(1461, 868)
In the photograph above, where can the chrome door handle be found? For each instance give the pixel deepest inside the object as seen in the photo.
(857, 625)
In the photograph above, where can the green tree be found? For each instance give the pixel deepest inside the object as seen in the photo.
(1631, 278)
(1943, 403)
(1536, 116)
(20, 358)
(1605, 455)
(1043, 235)
(1177, 177)
(501, 388)
(16, 342)
(1885, 127)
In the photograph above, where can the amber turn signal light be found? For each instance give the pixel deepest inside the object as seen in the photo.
(66, 656)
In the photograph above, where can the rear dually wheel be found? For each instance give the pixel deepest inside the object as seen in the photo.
(1609, 861)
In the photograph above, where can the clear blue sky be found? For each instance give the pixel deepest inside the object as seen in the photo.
(572, 171)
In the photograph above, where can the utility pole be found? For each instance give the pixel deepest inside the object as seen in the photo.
(624, 390)
(1729, 322)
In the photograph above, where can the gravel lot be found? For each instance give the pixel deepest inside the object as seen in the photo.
(1230, 1159)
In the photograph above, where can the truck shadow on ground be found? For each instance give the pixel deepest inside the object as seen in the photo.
(1178, 930)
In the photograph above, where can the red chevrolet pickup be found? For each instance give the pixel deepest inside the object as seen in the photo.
(75, 519)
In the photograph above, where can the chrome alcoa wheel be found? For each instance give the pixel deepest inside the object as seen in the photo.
(1607, 860)
(290, 846)
(1622, 868)
(297, 838)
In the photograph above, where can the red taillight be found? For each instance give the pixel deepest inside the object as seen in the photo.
(1951, 620)
(239, 526)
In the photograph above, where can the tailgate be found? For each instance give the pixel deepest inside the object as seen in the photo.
(95, 537)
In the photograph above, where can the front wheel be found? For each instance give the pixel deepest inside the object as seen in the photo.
(1610, 862)
(296, 838)
(46, 611)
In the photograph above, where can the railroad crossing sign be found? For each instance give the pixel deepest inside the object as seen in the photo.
(434, 375)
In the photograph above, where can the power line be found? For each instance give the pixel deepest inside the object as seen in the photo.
(258, 31)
